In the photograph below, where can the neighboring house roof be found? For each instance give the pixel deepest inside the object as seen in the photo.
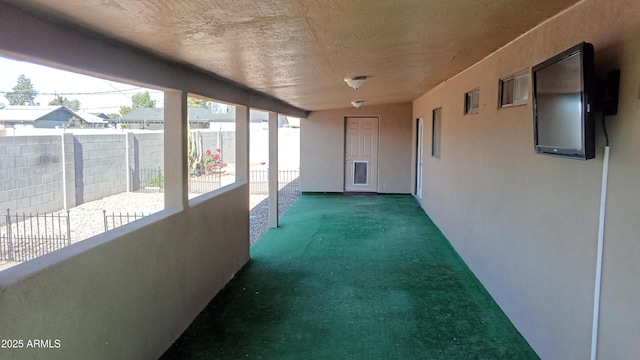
(194, 115)
(144, 114)
(26, 113)
(202, 114)
(33, 113)
(90, 118)
(101, 115)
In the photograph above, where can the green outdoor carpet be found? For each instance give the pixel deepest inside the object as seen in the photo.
(353, 277)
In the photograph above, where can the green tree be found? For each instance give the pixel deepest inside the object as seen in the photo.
(58, 101)
(142, 100)
(138, 101)
(113, 116)
(23, 93)
(76, 122)
(195, 102)
(73, 104)
(63, 101)
(124, 110)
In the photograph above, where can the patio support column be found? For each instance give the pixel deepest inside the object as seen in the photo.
(176, 172)
(273, 169)
(242, 143)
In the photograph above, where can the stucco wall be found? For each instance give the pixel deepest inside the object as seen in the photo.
(527, 224)
(322, 148)
(127, 293)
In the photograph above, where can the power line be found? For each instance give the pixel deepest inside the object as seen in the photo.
(84, 93)
(111, 85)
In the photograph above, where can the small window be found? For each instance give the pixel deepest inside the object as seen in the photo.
(514, 89)
(435, 134)
(472, 102)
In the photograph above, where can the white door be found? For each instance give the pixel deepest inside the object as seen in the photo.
(361, 155)
(419, 159)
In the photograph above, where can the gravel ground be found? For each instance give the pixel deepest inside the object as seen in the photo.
(87, 219)
(259, 215)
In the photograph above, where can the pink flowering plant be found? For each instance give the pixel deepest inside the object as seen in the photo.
(212, 162)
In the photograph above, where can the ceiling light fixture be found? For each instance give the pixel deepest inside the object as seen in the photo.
(357, 104)
(356, 82)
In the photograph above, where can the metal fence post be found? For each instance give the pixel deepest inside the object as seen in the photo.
(9, 236)
(104, 214)
(68, 229)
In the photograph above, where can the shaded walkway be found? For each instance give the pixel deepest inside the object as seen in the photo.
(353, 277)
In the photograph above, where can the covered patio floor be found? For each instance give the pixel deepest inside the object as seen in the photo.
(357, 277)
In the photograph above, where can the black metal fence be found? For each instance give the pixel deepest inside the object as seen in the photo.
(114, 220)
(288, 182)
(205, 183)
(147, 180)
(27, 236)
(152, 181)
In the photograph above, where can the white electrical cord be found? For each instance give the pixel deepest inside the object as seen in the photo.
(598, 281)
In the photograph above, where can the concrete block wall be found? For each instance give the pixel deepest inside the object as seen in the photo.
(145, 158)
(209, 139)
(133, 178)
(69, 172)
(31, 177)
(229, 146)
(224, 140)
(148, 151)
(95, 166)
(100, 166)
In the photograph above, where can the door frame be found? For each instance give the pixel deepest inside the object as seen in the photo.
(419, 157)
(375, 152)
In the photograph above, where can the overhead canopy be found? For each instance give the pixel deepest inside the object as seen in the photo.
(301, 51)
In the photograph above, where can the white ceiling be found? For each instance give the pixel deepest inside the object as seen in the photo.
(300, 51)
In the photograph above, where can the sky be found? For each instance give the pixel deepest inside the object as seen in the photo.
(95, 95)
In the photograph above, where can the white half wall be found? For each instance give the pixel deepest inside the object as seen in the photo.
(130, 292)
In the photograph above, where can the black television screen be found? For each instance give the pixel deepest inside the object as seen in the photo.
(563, 104)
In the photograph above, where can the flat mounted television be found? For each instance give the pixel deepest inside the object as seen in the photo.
(564, 104)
